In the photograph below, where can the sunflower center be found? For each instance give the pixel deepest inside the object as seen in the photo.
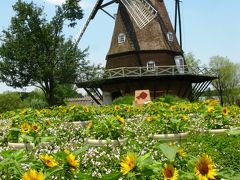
(168, 173)
(203, 168)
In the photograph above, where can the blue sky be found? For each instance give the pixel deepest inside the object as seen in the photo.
(210, 27)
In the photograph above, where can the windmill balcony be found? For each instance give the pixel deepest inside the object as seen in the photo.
(124, 72)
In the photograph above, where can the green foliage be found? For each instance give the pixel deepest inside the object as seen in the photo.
(167, 98)
(123, 100)
(36, 100)
(228, 78)
(10, 101)
(35, 52)
(63, 91)
(219, 147)
(191, 60)
(107, 127)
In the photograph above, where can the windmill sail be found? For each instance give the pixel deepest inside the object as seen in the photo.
(93, 13)
(141, 11)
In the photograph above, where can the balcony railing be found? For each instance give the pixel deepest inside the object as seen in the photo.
(144, 71)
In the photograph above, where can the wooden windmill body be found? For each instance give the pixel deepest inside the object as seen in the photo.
(145, 54)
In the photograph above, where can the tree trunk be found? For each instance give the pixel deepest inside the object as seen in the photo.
(50, 93)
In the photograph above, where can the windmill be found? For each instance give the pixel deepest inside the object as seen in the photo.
(145, 54)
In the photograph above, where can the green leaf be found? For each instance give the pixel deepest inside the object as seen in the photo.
(81, 150)
(169, 151)
(14, 129)
(144, 160)
(52, 171)
(112, 176)
(84, 176)
(46, 139)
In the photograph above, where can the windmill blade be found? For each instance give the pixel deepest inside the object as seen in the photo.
(91, 16)
(141, 11)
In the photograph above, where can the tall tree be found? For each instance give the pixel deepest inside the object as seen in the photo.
(191, 60)
(35, 51)
(228, 78)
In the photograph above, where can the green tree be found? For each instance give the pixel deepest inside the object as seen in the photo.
(191, 60)
(35, 51)
(10, 101)
(228, 79)
(64, 91)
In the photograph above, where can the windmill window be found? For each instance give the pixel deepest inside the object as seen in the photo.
(121, 38)
(179, 64)
(151, 66)
(170, 36)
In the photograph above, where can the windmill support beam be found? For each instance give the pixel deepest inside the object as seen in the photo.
(206, 84)
(199, 89)
(107, 4)
(92, 96)
(107, 13)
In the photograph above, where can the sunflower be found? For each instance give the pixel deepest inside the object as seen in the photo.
(184, 117)
(169, 172)
(90, 125)
(150, 119)
(48, 122)
(25, 128)
(121, 119)
(32, 174)
(72, 162)
(128, 163)
(48, 160)
(86, 109)
(127, 108)
(210, 109)
(72, 107)
(117, 107)
(181, 152)
(173, 108)
(204, 168)
(35, 127)
(225, 111)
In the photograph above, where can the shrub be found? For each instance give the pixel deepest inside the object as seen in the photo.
(123, 100)
(10, 101)
(36, 100)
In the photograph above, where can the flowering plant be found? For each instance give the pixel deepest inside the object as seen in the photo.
(80, 113)
(107, 127)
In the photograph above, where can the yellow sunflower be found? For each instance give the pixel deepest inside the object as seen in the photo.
(173, 108)
(184, 117)
(128, 163)
(150, 118)
(121, 119)
(86, 109)
(127, 108)
(117, 107)
(169, 172)
(25, 128)
(204, 168)
(48, 160)
(181, 152)
(210, 109)
(35, 127)
(72, 162)
(225, 111)
(90, 125)
(32, 174)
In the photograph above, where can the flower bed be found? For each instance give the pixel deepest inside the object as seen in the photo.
(141, 156)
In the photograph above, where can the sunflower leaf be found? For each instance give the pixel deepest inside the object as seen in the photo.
(169, 151)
